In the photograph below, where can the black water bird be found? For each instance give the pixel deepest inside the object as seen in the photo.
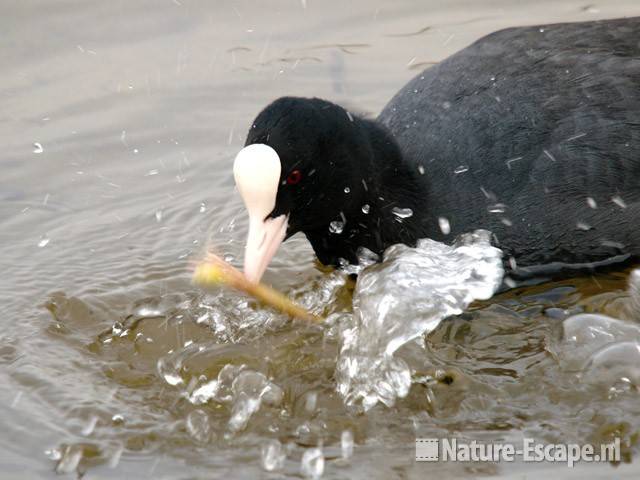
(532, 133)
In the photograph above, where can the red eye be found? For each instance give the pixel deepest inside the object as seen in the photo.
(294, 177)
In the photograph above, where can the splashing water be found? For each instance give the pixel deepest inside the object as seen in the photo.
(401, 213)
(273, 456)
(312, 463)
(400, 299)
(336, 227)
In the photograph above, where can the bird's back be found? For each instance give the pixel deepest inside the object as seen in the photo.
(525, 132)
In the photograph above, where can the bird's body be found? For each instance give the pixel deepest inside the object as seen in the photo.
(532, 133)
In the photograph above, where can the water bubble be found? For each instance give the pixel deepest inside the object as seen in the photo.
(619, 361)
(445, 227)
(347, 190)
(346, 444)
(592, 203)
(117, 418)
(366, 208)
(198, 425)
(421, 169)
(53, 454)
(249, 390)
(273, 456)
(158, 216)
(401, 213)
(229, 257)
(37, 147)
(461, 169)
(203, 207)
(336, 227)
(44, 241)
(312, 464)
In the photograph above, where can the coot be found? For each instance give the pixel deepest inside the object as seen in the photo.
(532, 133)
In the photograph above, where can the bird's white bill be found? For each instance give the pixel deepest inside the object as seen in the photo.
(262, 244)
(257, 174)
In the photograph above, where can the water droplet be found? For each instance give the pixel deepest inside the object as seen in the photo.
(198, 426)
(90, 426)
(70, 459)
(53, 454)
(619, 201)
(346, 444)
(312, 464)
(117, 418)
(158, 216)
(583, 226)
(311, 401)
(366, 208)
(347, 190)
(169, 372)
(497, 208)
(37, 148)
(229, 257)
(421, 169)
(461, 169)
(44, 240)
(336, 227)
(592, 203)
(401, 213)
(273, 456)
(445, 227)
(203, 207)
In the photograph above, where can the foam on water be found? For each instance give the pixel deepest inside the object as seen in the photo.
(406, 295)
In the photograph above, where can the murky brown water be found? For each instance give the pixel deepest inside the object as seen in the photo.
(119, 124)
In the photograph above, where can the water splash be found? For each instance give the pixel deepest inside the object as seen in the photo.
(273, 456)
(44, 241)
(401, 213)
(336, 227)
(400, 299)
(346, 444)
(198, 426)
(312, 463)
(604, 350)
(243, 389)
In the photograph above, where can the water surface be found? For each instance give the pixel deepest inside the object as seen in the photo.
(119, 124)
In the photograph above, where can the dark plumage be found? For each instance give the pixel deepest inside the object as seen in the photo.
(522, 133)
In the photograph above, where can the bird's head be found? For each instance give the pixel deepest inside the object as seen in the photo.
(303, 164)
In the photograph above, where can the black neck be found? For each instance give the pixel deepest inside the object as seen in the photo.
(376, 218)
